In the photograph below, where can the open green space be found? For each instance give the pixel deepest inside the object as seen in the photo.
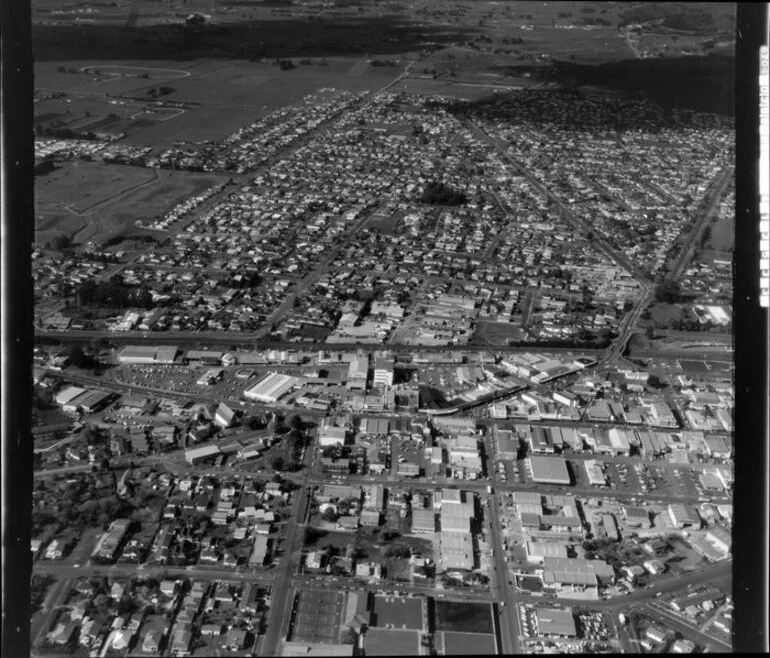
(721, 238)
(497, 333)
(665, 313)
(109, 198)
(80, 185)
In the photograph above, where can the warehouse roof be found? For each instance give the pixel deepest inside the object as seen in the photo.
(549, 469)
(424, 519)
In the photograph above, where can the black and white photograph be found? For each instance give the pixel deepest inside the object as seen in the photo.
(384, 328)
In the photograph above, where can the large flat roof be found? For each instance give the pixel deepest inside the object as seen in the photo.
(549, 469)
(391, 642)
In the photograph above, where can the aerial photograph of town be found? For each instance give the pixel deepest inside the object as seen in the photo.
(382, 327)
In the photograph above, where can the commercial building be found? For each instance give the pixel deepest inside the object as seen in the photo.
(636, 516)
(555, 623)
(195, 455)
(537, 552)
(719, 537)
(370, 518)
(408, 469)
(374, 497)
(210, 377)
(383, 372)
(309, 650)
(205, 357)
(594, 472)
(224, 416)
(539, 442)
(148, 354)
(358, 372)
(576, 577)
(456, 551)
(451, 523)
(683, 516)
(272, 387)
(92, 401)
(548, 470)
(619, 442)
(423, 521)
(331, 436)
(68, 394)
(374, 425)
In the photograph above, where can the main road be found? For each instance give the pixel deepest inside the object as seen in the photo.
(281, 602)
(509, 615)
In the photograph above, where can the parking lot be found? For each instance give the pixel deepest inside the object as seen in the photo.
(511, 471)
(637, 477)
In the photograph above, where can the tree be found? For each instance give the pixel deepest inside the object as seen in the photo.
(669, 291)
(277, 463)
(295, 423)
(649, 332)
(655, 382)
(349, 636)
(330, 515)
(80, 359)
(439, 194)
(401, 552)
(61, 242)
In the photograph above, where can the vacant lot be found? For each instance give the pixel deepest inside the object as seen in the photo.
(463, 617)
(398, 612)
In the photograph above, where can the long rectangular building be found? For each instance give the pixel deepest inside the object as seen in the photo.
(149, 354)
(259, 551)
(457, 551)
(271, 387)
(195, 455)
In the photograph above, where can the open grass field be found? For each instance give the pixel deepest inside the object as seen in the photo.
(91, 201)
(497, 333)
(201, 124)
(665, 313)
(218, 96)
(80, 185)
(722, 238)
(456, 88)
